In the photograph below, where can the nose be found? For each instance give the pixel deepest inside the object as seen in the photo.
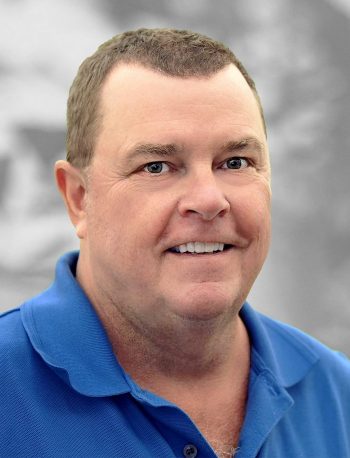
(203, 196)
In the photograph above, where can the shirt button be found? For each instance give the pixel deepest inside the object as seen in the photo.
(190, 451)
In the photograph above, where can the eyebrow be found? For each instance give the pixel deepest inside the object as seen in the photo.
(153, 149)
(245, 144)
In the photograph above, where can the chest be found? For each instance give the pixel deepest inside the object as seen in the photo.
(221, 427)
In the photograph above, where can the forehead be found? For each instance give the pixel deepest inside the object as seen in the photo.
(142, 105)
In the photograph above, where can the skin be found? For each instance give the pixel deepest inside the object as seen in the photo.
(173, 319)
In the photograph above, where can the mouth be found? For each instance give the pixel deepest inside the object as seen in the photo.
(195, 248)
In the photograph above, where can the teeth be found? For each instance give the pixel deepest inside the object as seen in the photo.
(183, 248)
(199, 247)
(190, 247)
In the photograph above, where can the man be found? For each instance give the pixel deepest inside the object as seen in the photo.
(144, 345)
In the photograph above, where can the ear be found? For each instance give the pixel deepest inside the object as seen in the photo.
(72, 185)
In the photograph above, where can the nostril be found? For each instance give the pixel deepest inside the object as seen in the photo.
(206, 203)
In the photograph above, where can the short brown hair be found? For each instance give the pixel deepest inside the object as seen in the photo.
(178, 53)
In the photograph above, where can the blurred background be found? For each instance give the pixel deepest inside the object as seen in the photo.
(297, 51)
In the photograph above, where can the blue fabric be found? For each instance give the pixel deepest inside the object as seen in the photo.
(63, 393)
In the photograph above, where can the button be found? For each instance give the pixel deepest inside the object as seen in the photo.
(190, 451)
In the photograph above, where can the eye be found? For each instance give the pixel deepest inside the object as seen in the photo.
(156, 168)
(236, 163)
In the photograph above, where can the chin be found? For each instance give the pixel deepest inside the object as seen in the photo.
(206, 306)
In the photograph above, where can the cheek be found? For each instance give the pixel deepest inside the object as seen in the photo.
(128, 221)
(253, 215)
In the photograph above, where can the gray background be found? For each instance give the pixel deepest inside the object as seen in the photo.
(297, 51)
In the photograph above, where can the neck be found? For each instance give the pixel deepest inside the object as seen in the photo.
(181, 352)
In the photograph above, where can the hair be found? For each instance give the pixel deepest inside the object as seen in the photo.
(177, 53)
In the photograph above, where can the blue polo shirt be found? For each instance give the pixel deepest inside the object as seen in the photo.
(63, 393)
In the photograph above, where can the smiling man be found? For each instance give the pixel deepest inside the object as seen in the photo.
(144, 345)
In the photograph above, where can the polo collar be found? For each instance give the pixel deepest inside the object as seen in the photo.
(278, 348)
(67, 333)
(279, 360)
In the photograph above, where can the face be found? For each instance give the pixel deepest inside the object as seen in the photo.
(177, 207)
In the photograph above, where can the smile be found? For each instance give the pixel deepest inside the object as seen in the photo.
(200, 247)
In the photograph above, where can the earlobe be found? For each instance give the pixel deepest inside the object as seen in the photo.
(72, 186)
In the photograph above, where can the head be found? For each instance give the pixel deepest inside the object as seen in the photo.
(177, 53)
(167, 180)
